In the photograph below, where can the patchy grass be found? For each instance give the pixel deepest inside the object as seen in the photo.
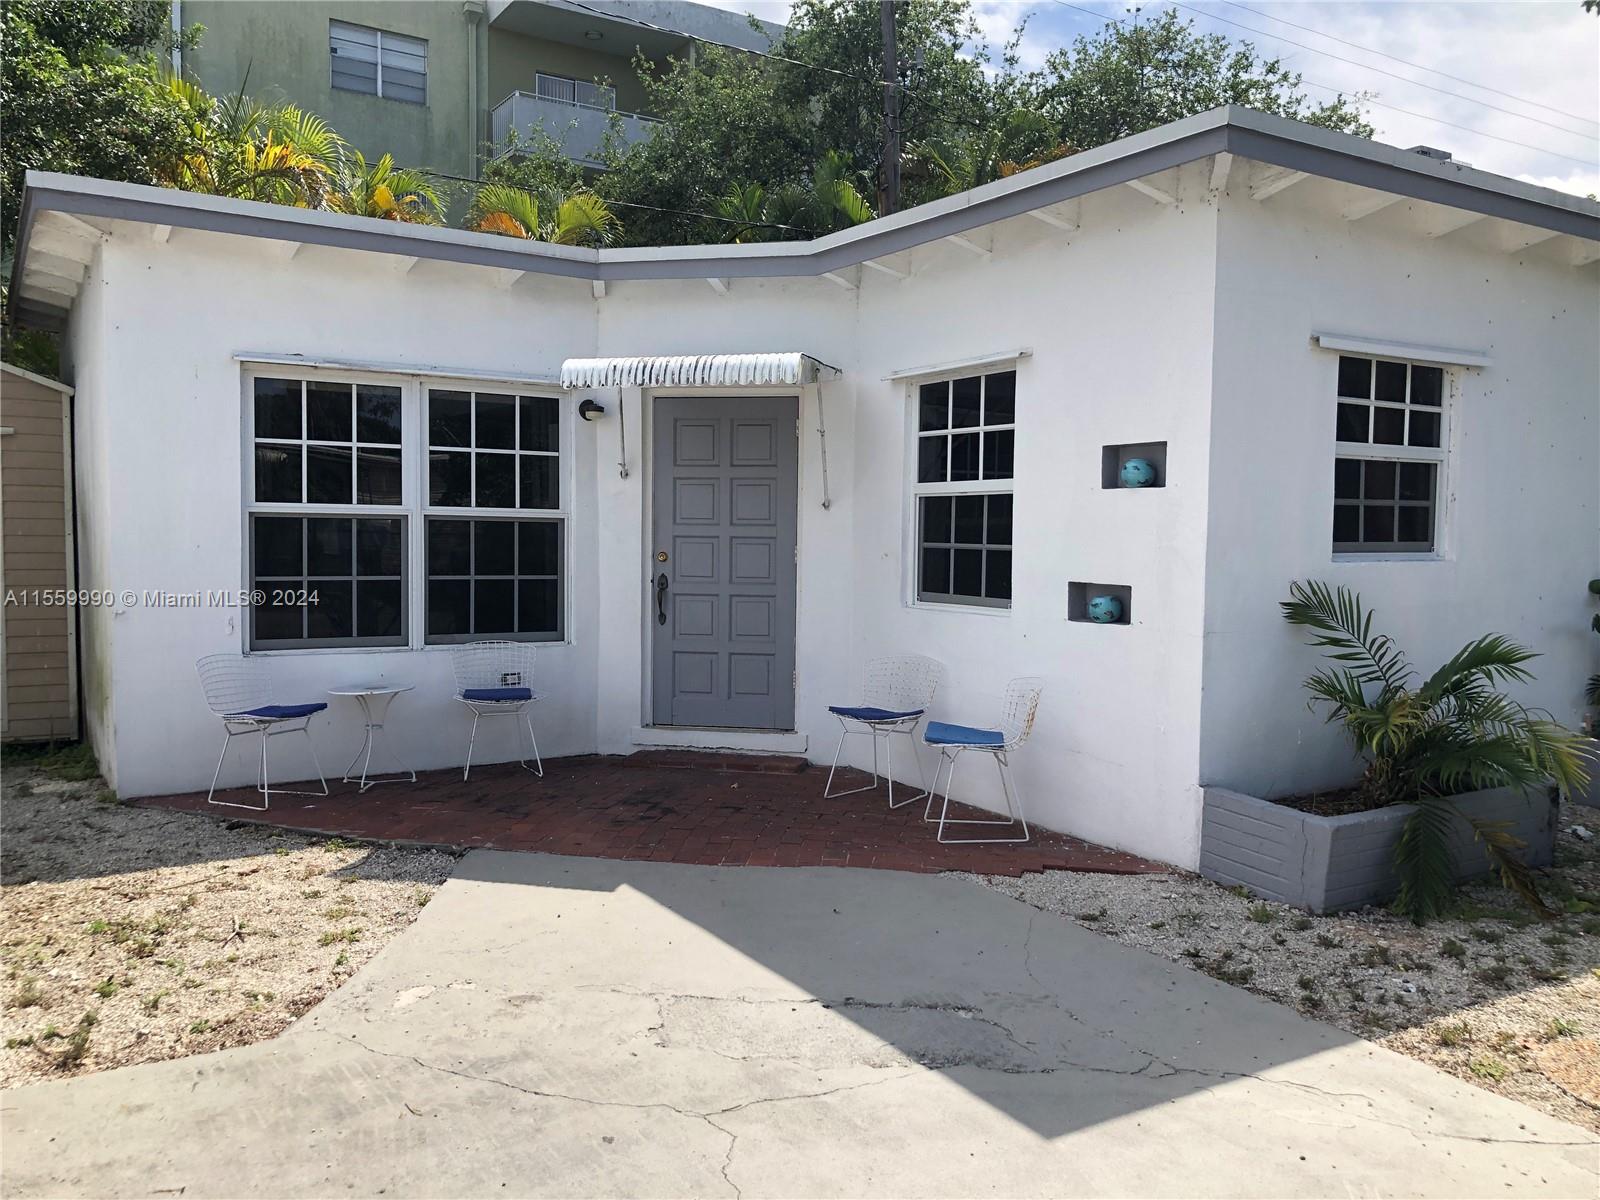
(136, 934)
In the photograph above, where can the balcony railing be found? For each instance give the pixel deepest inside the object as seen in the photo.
(580, 128)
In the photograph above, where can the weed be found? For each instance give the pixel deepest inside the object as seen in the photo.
(152, 1002)
(1240, 891)
(342, 960)
(143, 948)
(1234, 975)
(77, 1047)
(1560, 1028)
(339, 935)
(200, 1026)
(1547, 974)
(1262, 914)
(189, 902)
(1194, 952)
(107, 988)
(1278, 939)
(1555, 938)
(1453, 949)
(98, 926)
(1489, 1068)
(424, 895)
(14, 1043)
(1490, 937)
(258, 997)
(1456, 1033)
(1375, 955)
(1505, 1041)
(1188, 918)
(1098, 914)
(335, 843)
(1591, 926)
(311, 894)
(339, 912)
(1156, 925)
(1310, 1000)
(281, 851)
(1497, 973)
(72, 762)
(1301, 924)
(28, 995)
(1307, 983)
(1327, 942)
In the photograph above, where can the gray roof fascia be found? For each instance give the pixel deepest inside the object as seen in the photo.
(1345, 158)
(1242, 132)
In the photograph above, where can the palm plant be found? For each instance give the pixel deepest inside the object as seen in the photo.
(247, 151)
(1426, 742)
(576, 218)
(829, 201)
(384, 191)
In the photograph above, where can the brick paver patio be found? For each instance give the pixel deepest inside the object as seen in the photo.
(662, 807)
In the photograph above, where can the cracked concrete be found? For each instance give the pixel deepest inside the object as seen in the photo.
(563, 1026)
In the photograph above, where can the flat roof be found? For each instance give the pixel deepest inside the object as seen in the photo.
(1293, 146)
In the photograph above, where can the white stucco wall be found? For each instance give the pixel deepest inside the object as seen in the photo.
(170, 416)
(1150, 323)
(83, 362)
(1522, 522)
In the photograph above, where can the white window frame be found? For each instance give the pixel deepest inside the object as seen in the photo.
(916, 490)
(1370, 451)
(561, 514)
(414, 507)
(335, 25)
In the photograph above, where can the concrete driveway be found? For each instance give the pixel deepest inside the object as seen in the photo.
(561, 1026)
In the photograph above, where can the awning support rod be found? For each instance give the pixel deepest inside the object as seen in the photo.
(822, 445)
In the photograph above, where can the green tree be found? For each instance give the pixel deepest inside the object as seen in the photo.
(82, 93)
(1131, 77)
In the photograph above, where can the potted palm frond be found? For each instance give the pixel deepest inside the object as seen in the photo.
(1457, 779)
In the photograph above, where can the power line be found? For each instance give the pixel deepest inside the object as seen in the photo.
(1380, 71)
(1396, 58)
(1588, 162)
(783, 58)
(677, 212)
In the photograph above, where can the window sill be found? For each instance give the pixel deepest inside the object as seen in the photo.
(984, 610)
(289, 651)
(1433, 557)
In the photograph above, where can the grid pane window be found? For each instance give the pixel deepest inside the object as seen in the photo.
(493, 450)
(965, 459)
(327, 580)
(320, 442)
(1389, 425)
(378, 63)
(494, 577)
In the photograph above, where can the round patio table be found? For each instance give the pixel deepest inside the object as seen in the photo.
(374, 699)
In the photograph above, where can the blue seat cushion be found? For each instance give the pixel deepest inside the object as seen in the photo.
(868, 713)
(283, 712)
(502, 694)
(940, 734)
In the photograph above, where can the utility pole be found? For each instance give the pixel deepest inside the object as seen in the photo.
(891, 112)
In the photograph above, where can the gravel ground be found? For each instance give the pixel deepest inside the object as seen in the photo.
(131, 935)
(1494, 996)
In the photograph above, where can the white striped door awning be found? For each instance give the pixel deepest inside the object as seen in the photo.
(693, 370)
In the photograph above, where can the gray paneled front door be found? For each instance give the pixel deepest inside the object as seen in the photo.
(722, 591)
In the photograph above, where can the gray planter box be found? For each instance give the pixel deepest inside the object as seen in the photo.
(1328, 863)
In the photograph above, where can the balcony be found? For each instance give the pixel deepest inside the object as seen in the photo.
(579, 125)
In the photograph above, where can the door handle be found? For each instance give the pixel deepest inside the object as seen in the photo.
(661, 598)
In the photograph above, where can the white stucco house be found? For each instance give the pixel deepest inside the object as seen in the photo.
(1346, 361)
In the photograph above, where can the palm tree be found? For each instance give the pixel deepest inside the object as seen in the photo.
(384, 191)
(831, 200)
(578, 218)
(238, 148)
(1023, 139)
(1426, 743)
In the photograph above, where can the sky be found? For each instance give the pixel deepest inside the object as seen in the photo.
(1531, 109)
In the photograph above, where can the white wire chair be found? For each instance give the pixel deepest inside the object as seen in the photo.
(895, 695)
(1020, 707)
(238, 689)
(496, 679)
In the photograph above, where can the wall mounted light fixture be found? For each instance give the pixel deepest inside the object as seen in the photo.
(589, 410)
